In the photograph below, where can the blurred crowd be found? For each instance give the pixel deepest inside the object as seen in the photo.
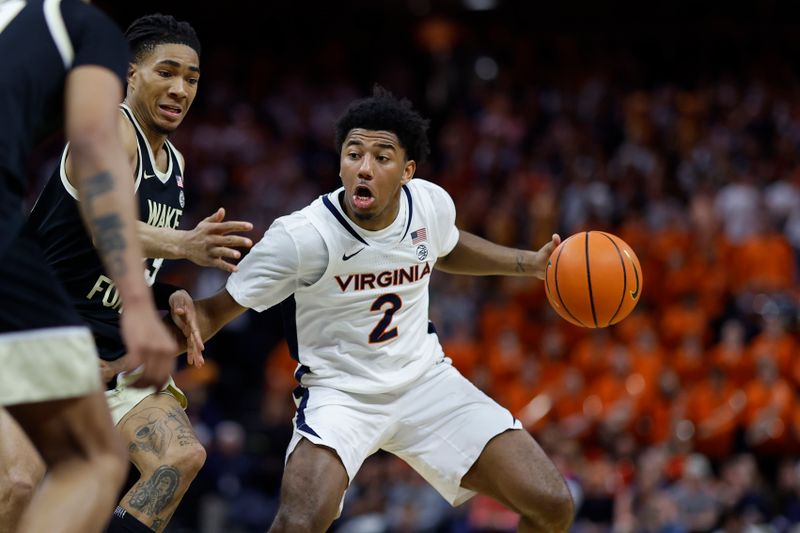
(682, 418)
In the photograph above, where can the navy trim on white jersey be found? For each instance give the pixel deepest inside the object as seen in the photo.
(342, 220)
(410, 211)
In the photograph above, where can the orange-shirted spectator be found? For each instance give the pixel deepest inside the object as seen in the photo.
(564, 405)
(553, 363)
(710, 267)
(504, 357)
(689, 360)
(680, 276)
(767, 417)
(592, 354)
(673, 237)
(640, 319)
(500, 315)
(617, 392)
(776, 343)
(714, 405)
(462, 348)
(764, 261)
(682, 318)
(660, 411)
(731, 354)
(517, 393)
(647, 358)
(279, 369)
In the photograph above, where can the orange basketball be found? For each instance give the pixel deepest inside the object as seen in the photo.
(593, 279)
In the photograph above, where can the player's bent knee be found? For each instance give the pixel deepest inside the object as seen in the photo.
(190, 459)
(553, 510)
(20, 484)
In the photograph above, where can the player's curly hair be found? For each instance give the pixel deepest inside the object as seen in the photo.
(149, 31)
(385, 112)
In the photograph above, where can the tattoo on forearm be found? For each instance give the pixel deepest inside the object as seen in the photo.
(520, 266)
(153, 495)
(107, 229)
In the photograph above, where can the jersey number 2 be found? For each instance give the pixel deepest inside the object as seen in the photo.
(379, 334)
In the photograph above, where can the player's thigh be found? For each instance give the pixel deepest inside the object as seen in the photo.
(63, 429)
(314, 478)
(157, 430)
(515, 470)
(19, 460)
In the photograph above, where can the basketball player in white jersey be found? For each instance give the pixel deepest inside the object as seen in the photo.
(352, 272)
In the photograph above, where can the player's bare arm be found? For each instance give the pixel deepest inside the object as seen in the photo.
(212, 243)
(478, 257)
(107, 207)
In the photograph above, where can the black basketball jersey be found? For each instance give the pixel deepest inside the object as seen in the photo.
(40, 42)
(56, 220)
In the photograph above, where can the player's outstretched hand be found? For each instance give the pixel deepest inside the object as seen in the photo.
(543, 255)
(181, 310)
(150, 346)
(209, 243)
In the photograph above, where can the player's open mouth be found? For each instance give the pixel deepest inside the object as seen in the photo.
(362, 197)
(170, 110)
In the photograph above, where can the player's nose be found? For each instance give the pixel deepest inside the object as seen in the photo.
(178, 87)
(365, 168)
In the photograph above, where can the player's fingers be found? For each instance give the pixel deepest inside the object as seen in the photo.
(230, 226)
(233, 241)
(223, 265)
(216, 216)
(223, 251)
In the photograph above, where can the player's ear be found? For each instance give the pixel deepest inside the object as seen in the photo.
(408, 171)
(131, 73)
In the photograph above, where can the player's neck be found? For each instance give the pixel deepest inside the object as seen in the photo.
(155, 138)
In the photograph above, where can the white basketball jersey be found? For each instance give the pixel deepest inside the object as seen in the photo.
(363, 327)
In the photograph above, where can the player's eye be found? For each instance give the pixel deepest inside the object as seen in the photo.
(352, 155)
(382, 158)
(164, 73)
(193, 81)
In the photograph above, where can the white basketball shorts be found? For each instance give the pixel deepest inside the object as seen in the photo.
(438, 425)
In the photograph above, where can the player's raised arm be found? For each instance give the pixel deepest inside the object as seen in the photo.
(477, 256)
(211, 243)
(103, 181)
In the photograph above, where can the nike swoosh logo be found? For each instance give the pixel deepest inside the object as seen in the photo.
(148, 176)
(345, 257)
(635, 292)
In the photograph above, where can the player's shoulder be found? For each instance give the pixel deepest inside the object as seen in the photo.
(294, 223)
(425, 188)
(429, 193)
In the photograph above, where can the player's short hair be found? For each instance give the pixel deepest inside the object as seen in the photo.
(383, 111)
(149, 31)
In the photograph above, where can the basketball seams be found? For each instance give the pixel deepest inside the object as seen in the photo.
(558, 291)
(624, 276)
(589, 279)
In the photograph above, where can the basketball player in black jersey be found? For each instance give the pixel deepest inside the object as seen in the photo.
(162, 82)
(61, 59)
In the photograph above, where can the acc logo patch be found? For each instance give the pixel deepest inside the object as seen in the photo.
(181, 199)
(422, 252)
